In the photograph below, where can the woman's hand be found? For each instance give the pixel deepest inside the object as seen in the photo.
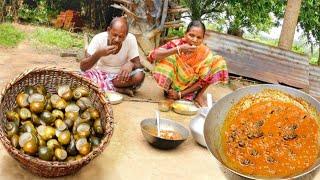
(187, 48)
(172, 94)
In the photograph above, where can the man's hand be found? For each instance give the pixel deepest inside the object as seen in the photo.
(187, 48)
(90, 61)
(172, 94)
(126, 69)
(107, 51)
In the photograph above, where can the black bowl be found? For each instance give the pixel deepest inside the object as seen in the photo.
(165, 124)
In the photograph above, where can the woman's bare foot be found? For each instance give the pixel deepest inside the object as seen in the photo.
(126, 91)
(201, 101)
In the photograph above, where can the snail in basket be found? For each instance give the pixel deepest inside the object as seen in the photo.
(54, 127)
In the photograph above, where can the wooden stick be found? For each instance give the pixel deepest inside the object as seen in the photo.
(173, 22)
(123, 1)
(173, 25)
(141, 100)
(178, 10)
(127, 11)
(68, 54)
(164, 15)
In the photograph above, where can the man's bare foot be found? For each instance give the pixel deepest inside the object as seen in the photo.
(201, 101)
(125, 91)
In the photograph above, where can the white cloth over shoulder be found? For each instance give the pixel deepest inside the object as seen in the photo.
(112, 63)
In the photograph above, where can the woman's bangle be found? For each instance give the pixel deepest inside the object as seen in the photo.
(179, 93)
(178, 49)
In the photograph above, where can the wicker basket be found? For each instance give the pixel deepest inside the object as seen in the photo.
(51, 77)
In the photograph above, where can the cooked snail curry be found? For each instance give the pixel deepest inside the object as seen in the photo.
(271, 135)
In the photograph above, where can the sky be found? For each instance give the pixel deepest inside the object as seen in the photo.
(275, 32)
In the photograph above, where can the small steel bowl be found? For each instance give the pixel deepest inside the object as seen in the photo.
(185, 107)
(114, 97)
(165, 124)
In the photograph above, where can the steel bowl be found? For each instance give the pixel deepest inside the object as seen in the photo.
(219, 111)
(165, 124)
(188, 107)
(114, 97)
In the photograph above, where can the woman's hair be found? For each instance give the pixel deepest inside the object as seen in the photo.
(196, 23)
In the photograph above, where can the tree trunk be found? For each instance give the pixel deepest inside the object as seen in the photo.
(2, 11)
(16, 4)
(90, 13)
(289, 24)
(15, 8)
(319, 56)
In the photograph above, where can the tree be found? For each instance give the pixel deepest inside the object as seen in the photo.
(203, 9)
(309, 21)
(289, 24)
(253, 15)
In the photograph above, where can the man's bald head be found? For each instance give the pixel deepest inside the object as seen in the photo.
(117, 32)
(119, 23)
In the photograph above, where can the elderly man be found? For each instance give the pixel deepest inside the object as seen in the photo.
(113, 59)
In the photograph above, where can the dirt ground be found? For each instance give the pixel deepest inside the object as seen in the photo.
(128, 156)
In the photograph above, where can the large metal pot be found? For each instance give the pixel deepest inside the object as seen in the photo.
(219, 111)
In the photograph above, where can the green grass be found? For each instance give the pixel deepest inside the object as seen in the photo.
(57, 38)
(298, 48)
(256, 38)
(176, 32)
(314, 59)
(214, 27)
(10, 36)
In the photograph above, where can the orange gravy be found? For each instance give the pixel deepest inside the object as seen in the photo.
(272, 139)
(165, 134)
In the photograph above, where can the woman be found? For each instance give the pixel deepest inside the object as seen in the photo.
(186, 67)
